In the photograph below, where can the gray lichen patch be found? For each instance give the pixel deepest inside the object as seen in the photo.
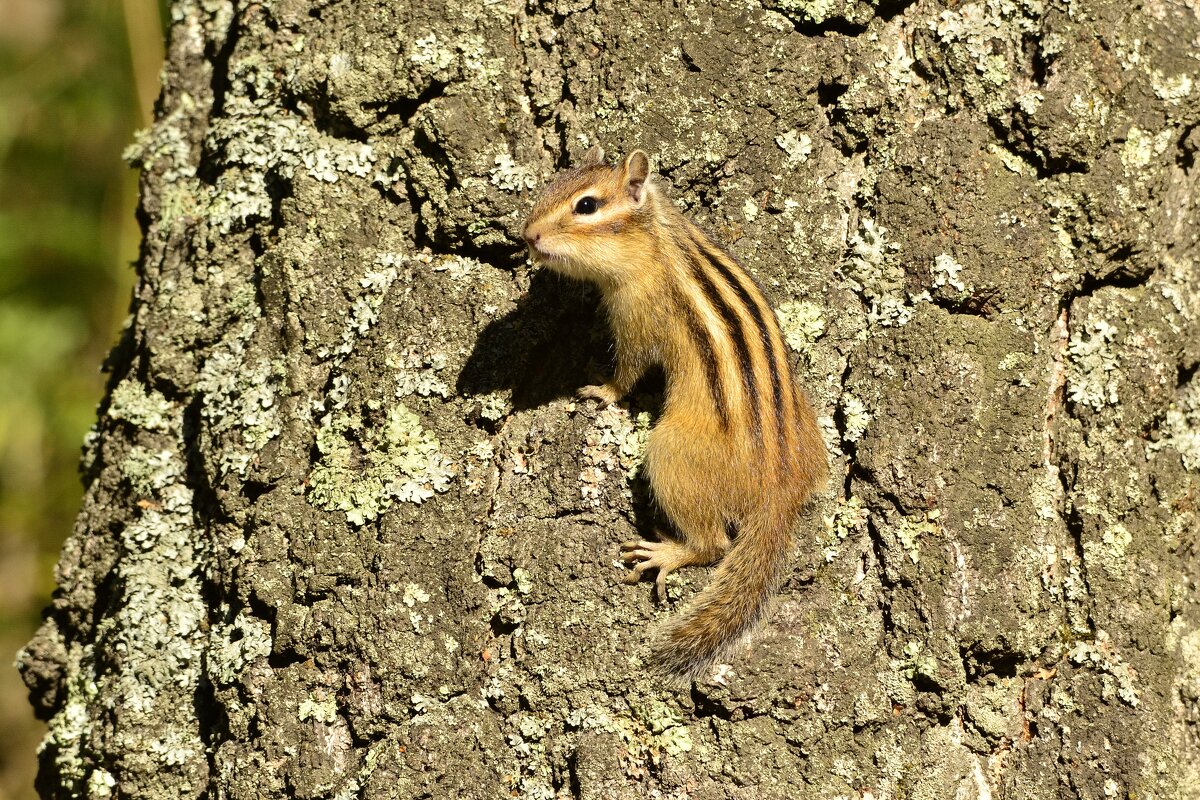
(259, 141)
(1094, 372)
(1181, 427)
(981, 43)
(616, 444)
(149, 663)
(367, 466)
(802, 324)
(240, 399)
(1118, 679)
(131, 402)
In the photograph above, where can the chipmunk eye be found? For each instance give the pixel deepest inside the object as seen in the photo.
(586, 205)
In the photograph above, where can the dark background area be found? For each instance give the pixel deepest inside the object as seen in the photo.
(77, 77)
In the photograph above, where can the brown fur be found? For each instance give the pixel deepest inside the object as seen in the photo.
(737, 441)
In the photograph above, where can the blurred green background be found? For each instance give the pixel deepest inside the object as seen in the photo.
(77, 77)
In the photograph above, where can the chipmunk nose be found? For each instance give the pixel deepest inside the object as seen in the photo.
(532, 239)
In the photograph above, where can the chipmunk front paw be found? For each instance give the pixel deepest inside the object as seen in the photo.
(606, 394)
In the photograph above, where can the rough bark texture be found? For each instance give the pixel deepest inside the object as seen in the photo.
(346, 534)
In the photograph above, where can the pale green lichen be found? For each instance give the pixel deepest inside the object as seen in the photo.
(910, 530)
(1141, 148)
(617, 441)
(363, 470)
(945, 272)
(1075, 590)
(527, 742)
(460, 268)
(164, 149)
(815, 11)
(632, 449)
(897, 683)
(1029, 102)
(507, 606)
(130, 401)
(750, 209)
(256, 144)
(157, 626)
(849, 517)
(1177, 285)
(676, 740)
(871, 270)
(173, 748)
(1117, 677)
(69, 726)
(477, 465)
(1092, 367)
(234, 645)
(1110, 551)
(856, 416)
(364, 310)
(532, 728)
(1174, 89)
(984, 37)
(917, 661)
(422, 704)
(321, 707)
(867, 266)
(654, 729)
(100, 783)
(523, 580)
(239, 391)
(994, 709)
(495, 406)
(1188, 678)
(144, 533)
(417, 373)
(797, 146)
(802, 324)
(148, 472)
(1044, 494)
(428, 52)
(414, 594)
(257, 137)
(509, 176)
(1181, 427)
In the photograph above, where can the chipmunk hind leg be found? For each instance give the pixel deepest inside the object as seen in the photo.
(680, 484)
(701, 541)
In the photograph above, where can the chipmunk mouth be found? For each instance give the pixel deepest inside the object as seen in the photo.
(543, 257)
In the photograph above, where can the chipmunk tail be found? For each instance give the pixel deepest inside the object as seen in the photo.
(732, 604)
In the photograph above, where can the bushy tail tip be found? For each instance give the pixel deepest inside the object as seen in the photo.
(732, 604)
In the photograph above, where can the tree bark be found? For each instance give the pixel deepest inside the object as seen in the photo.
(346, 534)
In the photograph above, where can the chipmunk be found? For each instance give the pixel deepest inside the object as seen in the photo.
(737, 443)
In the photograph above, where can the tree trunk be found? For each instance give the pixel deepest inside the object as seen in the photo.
(346, 534)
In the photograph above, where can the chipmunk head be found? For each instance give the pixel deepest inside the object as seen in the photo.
(588, 218)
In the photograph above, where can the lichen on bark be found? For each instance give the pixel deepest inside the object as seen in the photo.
(346, 533)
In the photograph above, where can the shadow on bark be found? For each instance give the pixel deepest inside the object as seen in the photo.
(552, 343)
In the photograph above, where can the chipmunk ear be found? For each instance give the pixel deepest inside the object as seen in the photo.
(594, 157)
(637, 169)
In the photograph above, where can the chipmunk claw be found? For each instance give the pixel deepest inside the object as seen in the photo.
(664, 556)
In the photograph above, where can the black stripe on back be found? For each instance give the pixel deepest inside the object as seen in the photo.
(764, 331)
(733, 327)
(707, 351)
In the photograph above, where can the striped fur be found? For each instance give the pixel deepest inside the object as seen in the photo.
(737, 442)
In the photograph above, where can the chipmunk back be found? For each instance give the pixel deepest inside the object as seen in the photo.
(737, 446)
